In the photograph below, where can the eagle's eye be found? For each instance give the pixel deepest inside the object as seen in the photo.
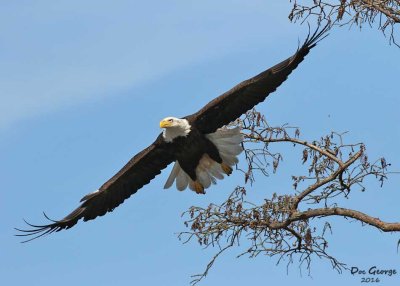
(170, 120)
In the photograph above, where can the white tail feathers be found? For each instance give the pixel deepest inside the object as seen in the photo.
(174, 173)
(208, 171)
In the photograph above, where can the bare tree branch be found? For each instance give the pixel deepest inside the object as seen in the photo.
(282, 226)
(386, 13)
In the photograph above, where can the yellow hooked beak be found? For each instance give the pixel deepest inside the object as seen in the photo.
(165, 123)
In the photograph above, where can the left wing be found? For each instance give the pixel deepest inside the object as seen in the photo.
(138, 172)
(244, 96)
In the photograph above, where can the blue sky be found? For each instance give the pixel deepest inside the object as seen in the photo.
(83, 85)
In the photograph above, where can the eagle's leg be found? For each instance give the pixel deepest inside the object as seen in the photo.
(226, 168)
(198, 187)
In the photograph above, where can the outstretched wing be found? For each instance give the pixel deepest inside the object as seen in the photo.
(138, 172)
(244, 96)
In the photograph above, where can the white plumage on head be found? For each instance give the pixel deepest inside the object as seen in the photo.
(174, 127)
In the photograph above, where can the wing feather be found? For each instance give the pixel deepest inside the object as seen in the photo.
(244, 96)
(138, 172)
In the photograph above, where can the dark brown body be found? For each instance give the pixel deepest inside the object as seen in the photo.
(190, 149)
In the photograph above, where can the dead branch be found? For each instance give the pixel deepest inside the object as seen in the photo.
(384, 13)
(282, 226)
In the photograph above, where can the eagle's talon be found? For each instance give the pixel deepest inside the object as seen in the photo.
(198, 188)
(226, 168)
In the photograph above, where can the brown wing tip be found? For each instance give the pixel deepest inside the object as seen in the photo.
(319, 34)
(37, 231)
(55, 225)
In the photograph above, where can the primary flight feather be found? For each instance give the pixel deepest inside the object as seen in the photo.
(201, 147)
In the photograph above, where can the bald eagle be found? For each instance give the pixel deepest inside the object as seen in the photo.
(200, 146)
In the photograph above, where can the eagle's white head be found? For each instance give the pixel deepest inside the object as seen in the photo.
(174, 127)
